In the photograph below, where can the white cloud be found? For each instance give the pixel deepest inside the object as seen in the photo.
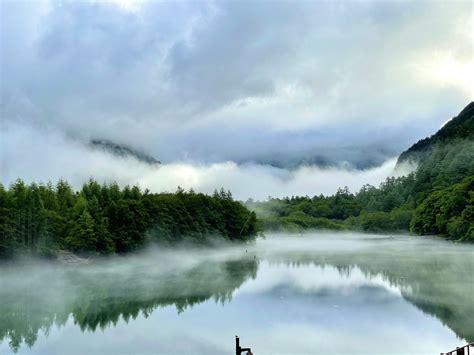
(443, 69)
(45, 155)
(152, 73)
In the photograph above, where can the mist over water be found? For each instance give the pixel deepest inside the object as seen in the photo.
(289, 294)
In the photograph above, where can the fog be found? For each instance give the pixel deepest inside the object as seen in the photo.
(39, 154)
(295, 294)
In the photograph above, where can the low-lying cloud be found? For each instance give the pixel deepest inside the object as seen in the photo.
(35, 154)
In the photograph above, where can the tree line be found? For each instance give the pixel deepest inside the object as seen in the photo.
(437, 198)
(104, 218)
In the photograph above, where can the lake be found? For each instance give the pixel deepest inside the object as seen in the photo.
(318, 293)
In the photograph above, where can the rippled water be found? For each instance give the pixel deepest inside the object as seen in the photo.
(315, 294)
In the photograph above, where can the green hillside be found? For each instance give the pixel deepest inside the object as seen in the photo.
(437, 198)
(459, 128)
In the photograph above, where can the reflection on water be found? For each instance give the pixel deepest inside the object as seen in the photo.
(338, 293)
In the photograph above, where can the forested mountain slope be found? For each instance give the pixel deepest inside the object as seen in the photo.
(459, 128)
(437, 198)
(123, 151)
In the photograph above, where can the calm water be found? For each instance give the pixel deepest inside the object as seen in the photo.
(313, 294)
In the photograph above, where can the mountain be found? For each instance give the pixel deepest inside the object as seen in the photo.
(446, 157)
(437, 198)
(123, 151)
(460, 127)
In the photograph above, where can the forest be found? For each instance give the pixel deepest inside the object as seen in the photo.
(395, 206)
(436, 198)
(40, 219)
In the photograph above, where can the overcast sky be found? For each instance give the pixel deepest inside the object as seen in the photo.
(339, 84)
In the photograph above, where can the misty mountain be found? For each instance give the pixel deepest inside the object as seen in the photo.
(459, 128)
(436, 198)
(123, 151)
(357, 157)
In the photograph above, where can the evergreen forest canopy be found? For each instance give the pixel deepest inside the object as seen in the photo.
(41, 219)
(437, 198)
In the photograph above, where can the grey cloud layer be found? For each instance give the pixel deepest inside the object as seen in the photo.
(47, 155)
(239, 80)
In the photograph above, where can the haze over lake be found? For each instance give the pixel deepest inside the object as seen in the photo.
(287, 294)
(177, 173)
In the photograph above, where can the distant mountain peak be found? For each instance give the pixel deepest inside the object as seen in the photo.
(123, 151)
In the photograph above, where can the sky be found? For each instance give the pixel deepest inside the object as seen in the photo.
(266, 98)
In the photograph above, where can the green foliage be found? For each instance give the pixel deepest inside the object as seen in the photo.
(398, 204)
(82, 236)
(102, 219)
(394, 221)
(387, 208)
(448, 211)
(299, 221)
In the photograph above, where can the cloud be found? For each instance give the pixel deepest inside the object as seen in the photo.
(46, 155)
(242, 81)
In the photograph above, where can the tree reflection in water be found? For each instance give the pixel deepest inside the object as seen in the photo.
(36, 297)
(98, 297)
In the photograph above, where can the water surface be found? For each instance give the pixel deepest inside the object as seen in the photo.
(314, 294)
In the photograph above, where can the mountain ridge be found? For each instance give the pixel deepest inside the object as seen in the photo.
(123, 151)
(459, 127)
